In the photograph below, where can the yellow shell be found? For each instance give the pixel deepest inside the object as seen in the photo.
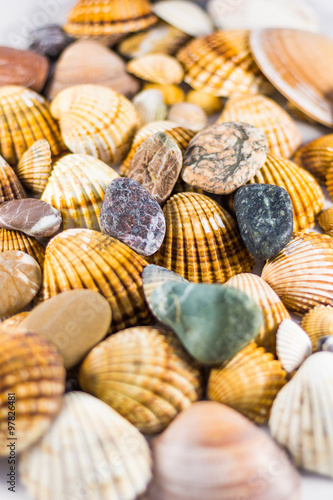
(25, 118)
(10, 186)
(157, 68)
(189, 116)
(76, 187)
(144, 374)
(13, 321)
(221, 64)
(95, 120)
(34, 168)
(82, 258)
(181, 135)
(15, 240)
(282, 133)
(325, 220)
(274, 312)
(249, 382)
(316, 156)
(172, 93)
(211, 104)
(317, 323)
(202, 241)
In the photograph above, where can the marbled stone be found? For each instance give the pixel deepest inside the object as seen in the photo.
(49, 40)
(265, 218)
(33, 217)
(223, 157)
(23, 67)
(130, 214)
(213, 322)
(20, 280)
(156, 165)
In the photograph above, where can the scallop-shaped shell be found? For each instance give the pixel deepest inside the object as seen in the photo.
(301, 416)
(10, 186)
(202, 241)
(76, 187)
(249, 382)
(318, 322)
(82, 258)
(329, 180)
(325, 221)
(316, 156)
(186, 16)
(211, 104)
(91, 452)
(31, 372)
(302, 273)
(15, 240)
(34, 168)
(182, 136)
(282, 133)
(221, 64)
(13, 322)
(172, 94)
(149, 105)
(157, 68)
(25, 118)
(274, 312)
(187, 115)
(96, 120)
(293, 345)
(144, 374)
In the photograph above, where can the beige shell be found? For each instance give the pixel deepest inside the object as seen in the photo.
(208, 102)
(34, 168)
(16, 240)
(13, 322)
(325, 221)
(150, 106)
(317, 323)
(188, 17)
(10, 186)
(189, 116)
(293, 345)
(172, 94)
(156, 68)
(316, 156)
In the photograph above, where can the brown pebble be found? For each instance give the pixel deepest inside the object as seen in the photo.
(23, 67)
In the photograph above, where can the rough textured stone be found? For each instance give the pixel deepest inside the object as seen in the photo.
(130, 214)
(23, 67)
(223, 157)
(265, 218)
(49, 40)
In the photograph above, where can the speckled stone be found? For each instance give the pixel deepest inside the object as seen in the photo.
(156, 165)
(49, 40)
(265, 218)
(130, 214)
(223, 157)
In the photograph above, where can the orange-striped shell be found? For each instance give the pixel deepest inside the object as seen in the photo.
(172, 93)
(316, 156)
(34, 168)
(211, 104)
(325, 220)
(10, 186)
(15, 240)
(157, 68)
(317, 323)
(13, 322)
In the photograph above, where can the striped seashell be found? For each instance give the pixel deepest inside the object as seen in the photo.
(316, 156)
(248, 383)
(325, 221)
(221, 64)
(181, 135)
(82, 258)
(11, 324)
(155, 276)
(274, 312)
(95, 120)
(149, 105)
(202, 241)
(76, 187)
(25, 118)
(10, 186)
(302, 273)
(15, 240)
(282, 133)
(293, 345)
(156, 68)
(211, 104)
(189, 116)
(144, 374)
(172, 94)
(317, 323)
(34, 168)
(329, 180)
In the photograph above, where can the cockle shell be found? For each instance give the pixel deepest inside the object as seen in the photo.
(144, 374)
(31, 370)
(34, 168)
(10, 186)
(109, 459)
(316, 156)
(172, 94)
(293, 345)
(187, 115)
(329, 180)
(181, 135)
(325, 221)
(186, 16)
(95, 120)
(150, 106)
(317, 323)
(301, 417)
(15, 240)
(211, 104)
(156, 68)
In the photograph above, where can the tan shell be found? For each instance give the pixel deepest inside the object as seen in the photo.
(181, 135)
(172, 93)
(15, 240)
(144, 374)
(211, 104)
(316, 156)
(325, 221)
(157, 68)
(10, 186)
(150, 106)
(317, 323)
(13, 322)
(34, 168)
(329, 180)
(189, 116)
(293, 345)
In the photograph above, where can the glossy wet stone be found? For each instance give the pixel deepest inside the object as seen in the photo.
(265, 218)
(23, 67)
(49, 40)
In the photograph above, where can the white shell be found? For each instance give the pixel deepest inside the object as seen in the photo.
(301, 416)
(186, 16)
(293, 345)
(149, 105)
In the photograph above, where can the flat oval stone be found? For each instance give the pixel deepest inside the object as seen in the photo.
(49, 40)
(20, 279)
(130, 214)
(223, 157)
(30, 216)
(265, 218)
(73, 321)
(23, 67)
(156, 165)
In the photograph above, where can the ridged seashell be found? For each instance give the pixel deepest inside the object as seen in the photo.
(221, 64)
(13, 322)
(187, 115)
(282, 133)
(293, 345)
(25, 118)
(109, 459)
(249, 382)
(317, 323)
(34, 168)
(316, 156)
(76, 187)
(10, 186)
(15, 240)
(82, 258)
(32, 371)
(149, 105)
(329, 181)
(181, 135)
(172, 93)
(156, 68)
(144, 374)
(188, 17)
(302, 273)
(202, 241)
(211, 104)
(274, 312)
(301, 417)
(155, 276)
(95, 120)
(325, 221)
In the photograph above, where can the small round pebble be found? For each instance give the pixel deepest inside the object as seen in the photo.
(50, 40)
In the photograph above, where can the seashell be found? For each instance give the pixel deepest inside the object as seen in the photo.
(23, 67)
(82, 258)
(172, 94)
(248, 383)
(325, 344)
(33, 379)
(260, 111)
(187, 115)
(221, 64)
(181, 135)
(76, 188)
(208, 102)
(274, 312)
(316, 156)
(298, 114)
(10, 186)
(109, 458)
(325, 221)
(293, 345)
(13, 322)
(15, 240)
(317, 323)
(202, 241)
(25, 119)
(34, 168)
(144, 374)
(156, 68)
(302, 273)
(149, 105)
(155, 276)
(301, 415)
(329, 181)
(212, 452)
(185, 16)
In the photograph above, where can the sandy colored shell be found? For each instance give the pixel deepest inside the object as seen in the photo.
(15, 240)
(13, 322)
(329, 180)
(181, 135)
(316, 156)
(188, 17)
(325, 221)
(76, 187)
(172, 93)
(144, 374)
(208, 102)
(10, 186)
(317, 323)
(202, 241)
(150, 106)
(96, 120)
(187, 115)
(157, 68)
(293, 345)
(34, 168)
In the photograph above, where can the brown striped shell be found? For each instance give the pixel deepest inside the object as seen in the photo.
(156, 68)
(325, 221)
(34, 168)
(10, 186)
(211, 104)
(316, 156)
(172, 93)
(15, 240)
(317, 323)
